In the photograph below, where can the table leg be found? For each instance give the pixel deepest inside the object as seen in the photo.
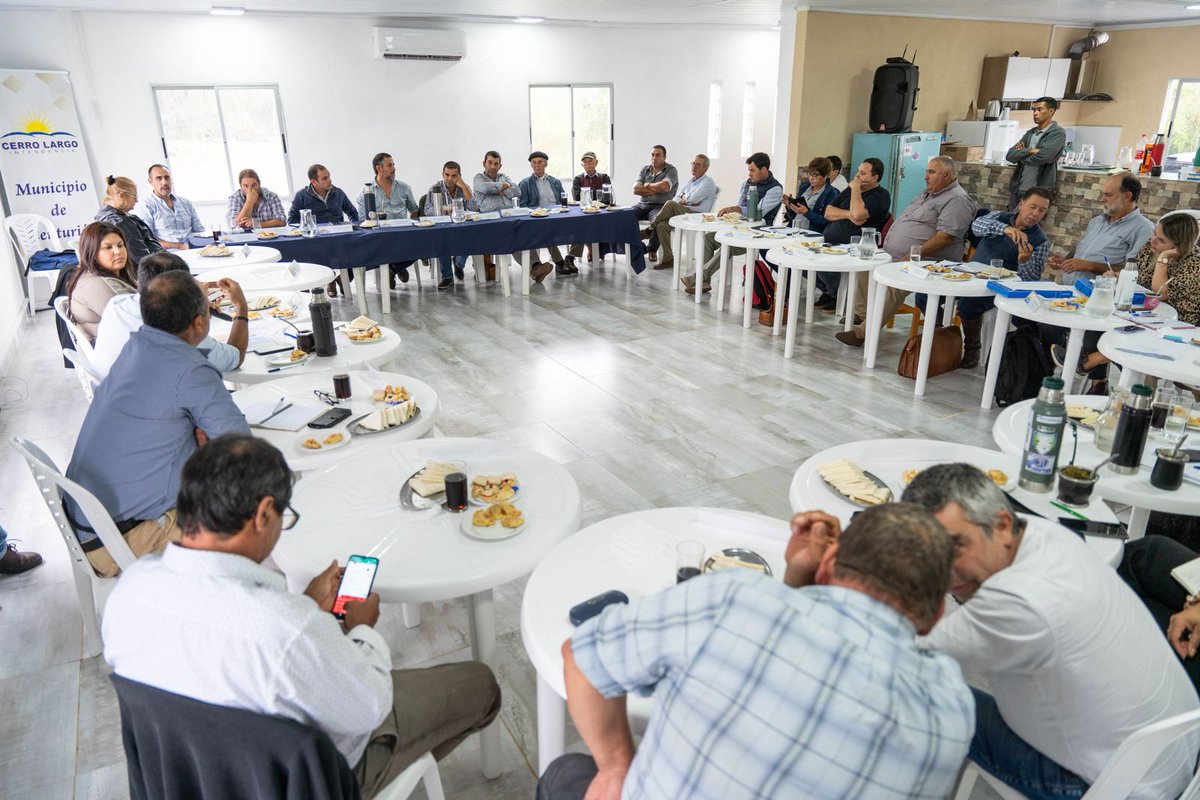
(1074, 348)
(1129, 377)
(810, 301)
(481, 614)
(839, 306)
(947, 312)
(786, 278)
(926, 346)
(994, 357)
(1138, 517)
(874, 322)
(718, 286)
(502, 265)
(551, 724)
(595, 255)
(698, 260)
(629, 262)
(384, 292)
(793, 300)
(411, 612)
(851, 291)
(526, 266)
(360, 275)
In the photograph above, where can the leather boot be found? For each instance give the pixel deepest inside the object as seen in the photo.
(972, 342)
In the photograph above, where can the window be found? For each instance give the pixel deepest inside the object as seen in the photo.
(1181, 116)
(714, 121)
(211, 133)
(748, 101)
(567, 121)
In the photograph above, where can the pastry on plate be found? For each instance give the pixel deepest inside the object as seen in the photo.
(484, 517)
(998, 476)
(392, 395)
(311, 444)
(297, 354)
(334, 438)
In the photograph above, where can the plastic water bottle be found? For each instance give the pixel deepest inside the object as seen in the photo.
(1047, 418)
(322, 323)
(1126, 284)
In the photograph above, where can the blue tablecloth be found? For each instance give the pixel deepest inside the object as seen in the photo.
(368, 248)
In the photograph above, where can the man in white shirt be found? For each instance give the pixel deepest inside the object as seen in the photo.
(232, 634)
(836, 179)
(120, 319)
(697, 195)
(1074, 661)
(172, 218)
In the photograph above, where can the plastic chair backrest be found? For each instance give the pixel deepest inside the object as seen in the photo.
(78, 337)
(25, 231)
(83, 370)
(1137, 754)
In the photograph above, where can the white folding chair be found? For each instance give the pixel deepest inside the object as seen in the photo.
(78, 337)
(83, 370)
(1123, 772)
(424, 769)
(25, 232)
(92, 590)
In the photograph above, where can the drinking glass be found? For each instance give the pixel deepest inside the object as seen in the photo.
(914, 254)
(256, 224)
(689, 556)
(855, 241)
(997, 263)
(1177, 417)
(1160, 408)
(1087, 155)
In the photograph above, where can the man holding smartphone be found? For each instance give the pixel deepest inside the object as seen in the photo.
(233, 635)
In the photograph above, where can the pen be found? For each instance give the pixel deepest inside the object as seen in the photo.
(1070, 511)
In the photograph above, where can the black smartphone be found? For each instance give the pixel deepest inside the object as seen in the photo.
(330, 418)
(357, 579)
(1091, 527)
(1128, 328)
(593, 606)
(283, 348)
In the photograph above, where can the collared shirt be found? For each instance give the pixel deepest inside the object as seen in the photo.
(269, 206)
(398, 205)
(140, 428)
(949, 211)
(440, 188)
(1116, 241)
(488, 195)
(840, 183)
(171, 224)
(123, 315)
(335, 207)
(647, 176)
(993, 225)
(700, 193)
(221, 629)
(1073, 659)
(763, 690)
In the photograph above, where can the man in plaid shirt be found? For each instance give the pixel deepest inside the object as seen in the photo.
(814, 687)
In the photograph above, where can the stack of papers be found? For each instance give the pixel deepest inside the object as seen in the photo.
(280, 415)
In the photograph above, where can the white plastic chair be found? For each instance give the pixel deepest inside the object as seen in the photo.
(83, 370)
(78, 337)
(25, 232)
(1123, 772)
(92, 590)
(424, 769)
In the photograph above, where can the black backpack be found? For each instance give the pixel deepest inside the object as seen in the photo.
(1022, 366)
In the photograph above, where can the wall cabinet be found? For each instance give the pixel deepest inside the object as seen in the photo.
(1021, 78)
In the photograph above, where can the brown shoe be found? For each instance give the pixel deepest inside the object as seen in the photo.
(767, 317)
(14, 563)
(646, 233)
(540, 270)
(851, 338)
(332, 288)
(666, 263)
(692, 289)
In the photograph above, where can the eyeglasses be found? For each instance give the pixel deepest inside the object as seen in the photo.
(326, 397)
(289, 518)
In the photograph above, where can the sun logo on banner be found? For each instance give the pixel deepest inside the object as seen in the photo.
(35, 124)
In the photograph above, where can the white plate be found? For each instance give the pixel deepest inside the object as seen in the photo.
(285, 360)
(475, 501)
(362, 341)
(494, 533)
(319, 435)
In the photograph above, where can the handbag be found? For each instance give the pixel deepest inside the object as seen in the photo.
(945, 355)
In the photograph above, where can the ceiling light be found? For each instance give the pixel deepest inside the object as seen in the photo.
(529, 20)
(228, 11)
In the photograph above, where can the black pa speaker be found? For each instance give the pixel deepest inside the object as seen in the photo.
(894, 97)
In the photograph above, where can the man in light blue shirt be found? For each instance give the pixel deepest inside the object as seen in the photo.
(393, 200)
(170, 217)
(697, 195)
(812, 687)
(493, 190)
(161, 400)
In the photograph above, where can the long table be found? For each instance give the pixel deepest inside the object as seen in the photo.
(366, 248)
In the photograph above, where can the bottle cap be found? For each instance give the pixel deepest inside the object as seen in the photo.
(1141, 389)
(1053, 383)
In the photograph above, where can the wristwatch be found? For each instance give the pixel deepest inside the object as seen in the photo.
(1163, 260)
(241, 318)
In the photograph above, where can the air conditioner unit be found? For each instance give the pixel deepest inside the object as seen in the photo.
(419, 44)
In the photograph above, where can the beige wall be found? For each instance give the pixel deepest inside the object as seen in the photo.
(1134, 68)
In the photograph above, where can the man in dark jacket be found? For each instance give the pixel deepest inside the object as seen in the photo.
(1036, 154)
(328, 203)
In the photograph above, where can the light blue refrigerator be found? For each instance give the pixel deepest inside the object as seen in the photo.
(904, 156)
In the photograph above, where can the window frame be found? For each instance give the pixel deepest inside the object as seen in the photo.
(714, 117)
(571, 87)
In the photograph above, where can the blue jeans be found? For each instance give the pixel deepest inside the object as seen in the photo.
(999, 751)
(567, 777)
(444, 265)
(3, 539)
(966, 307)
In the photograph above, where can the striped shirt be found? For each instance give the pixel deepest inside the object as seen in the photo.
(171, 224)
(763, 690)
(269, 206)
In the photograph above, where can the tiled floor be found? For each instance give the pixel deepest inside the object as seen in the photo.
(647, 399)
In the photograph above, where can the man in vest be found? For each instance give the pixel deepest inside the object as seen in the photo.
(770, 197)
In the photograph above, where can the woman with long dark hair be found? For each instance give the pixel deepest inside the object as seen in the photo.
(105, 271)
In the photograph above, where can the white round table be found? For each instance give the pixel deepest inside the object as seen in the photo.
(695, 224)
(1175, 361)
(752, 242)
(240, 256)
(887, 459)
(298, 389)
(274, 277)
(634, 553)
(935, 287)
(1076, 321)
(353, 508)
(1134, 491)
(802, 260)
(254, 368)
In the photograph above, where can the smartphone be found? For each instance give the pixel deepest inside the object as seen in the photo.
(1128, 328)
(357, 579)
(593, 606)
(271, 350)
(330, 418)
(1091, 527)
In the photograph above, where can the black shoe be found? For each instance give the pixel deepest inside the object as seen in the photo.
(561, 268)
(1058, 354)
(571, 268)
(445, 283)
(826, 302)
(403, 273)
(458, 273)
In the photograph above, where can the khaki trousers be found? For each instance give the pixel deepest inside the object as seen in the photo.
(433, 710)
(150, 537)
(662, 225)
(891, 303)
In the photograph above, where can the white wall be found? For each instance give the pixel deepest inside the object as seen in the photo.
(341, 105)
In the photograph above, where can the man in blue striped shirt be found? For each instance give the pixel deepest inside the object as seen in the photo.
(172, 218)
(814, 687)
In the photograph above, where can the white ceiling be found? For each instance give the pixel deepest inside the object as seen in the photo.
(664, 12)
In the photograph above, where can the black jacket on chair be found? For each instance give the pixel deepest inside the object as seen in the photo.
(178, 748)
